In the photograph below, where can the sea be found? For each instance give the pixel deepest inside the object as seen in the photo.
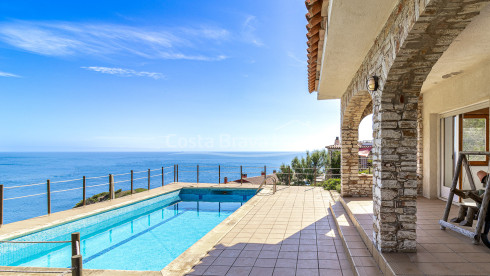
(24, 175)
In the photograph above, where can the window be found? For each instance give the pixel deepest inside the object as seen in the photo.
(473, 136)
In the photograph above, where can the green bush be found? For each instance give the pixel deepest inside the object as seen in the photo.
(332, 184)
(105, 196)
(303, 170)
(283, 174)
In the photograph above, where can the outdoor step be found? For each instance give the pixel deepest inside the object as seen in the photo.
(358, 254)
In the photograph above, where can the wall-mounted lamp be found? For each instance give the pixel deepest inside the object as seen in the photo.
(372, 83)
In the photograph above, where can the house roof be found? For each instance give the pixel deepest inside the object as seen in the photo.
(365, 151)
(257, 180)
(315, 36)
(334, 147)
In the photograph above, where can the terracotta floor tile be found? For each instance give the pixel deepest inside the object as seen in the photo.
(307, 264)
(244, 262)
(249, 254)
(280, 271)
(347, 272)
(288, 254)
(224, 261)
(208, 260)
(452, 257)
(330, 272)
(239, 271)
(369, 271)
(230, 253)
(271, 247)
(359, 252)
(289, 247)
(253, 246)
(269, 254)
(364, 261)
(476, 257)
(261, 271)
(327, 255)
(307, 255)
(286, 263)
(406, 269)
(436, 268)
(420, 258)
(216, 270)
(307, 272)
(329, 264)
(327, 248)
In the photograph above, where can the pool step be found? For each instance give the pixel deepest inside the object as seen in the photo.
(358, 254)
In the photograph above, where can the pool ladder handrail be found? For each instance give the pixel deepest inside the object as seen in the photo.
(264, 182)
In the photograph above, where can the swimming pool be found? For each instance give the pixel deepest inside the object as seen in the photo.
(145, 235)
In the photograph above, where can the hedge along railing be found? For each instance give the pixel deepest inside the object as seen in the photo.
(291, 175)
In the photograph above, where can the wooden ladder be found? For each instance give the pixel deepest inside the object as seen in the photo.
(463, 162)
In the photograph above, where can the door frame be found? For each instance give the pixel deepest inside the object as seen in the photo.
(443, 191)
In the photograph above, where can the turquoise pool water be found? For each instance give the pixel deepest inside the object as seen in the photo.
(146, 235)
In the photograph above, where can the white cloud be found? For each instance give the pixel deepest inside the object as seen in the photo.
(124, 72)
(67, 39)
(248, 31)
(8, 75)
(299, 61)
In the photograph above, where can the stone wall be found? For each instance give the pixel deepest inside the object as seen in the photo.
(420, 146)
(414, 37)
(357, 109)
(365, 185)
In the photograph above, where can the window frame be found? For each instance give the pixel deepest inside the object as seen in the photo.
(460, 134)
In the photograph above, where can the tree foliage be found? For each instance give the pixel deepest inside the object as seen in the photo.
(304, 169)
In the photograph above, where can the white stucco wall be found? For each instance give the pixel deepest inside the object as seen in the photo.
(470, 87)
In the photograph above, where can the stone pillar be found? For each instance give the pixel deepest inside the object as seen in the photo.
(420, 146)
(349, 160)
(395, 171)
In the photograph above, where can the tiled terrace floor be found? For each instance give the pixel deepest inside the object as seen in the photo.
(290, 233)
(438, 252)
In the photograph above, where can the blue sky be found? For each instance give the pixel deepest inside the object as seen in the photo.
(159, 75)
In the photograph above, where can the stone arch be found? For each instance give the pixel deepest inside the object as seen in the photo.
(396, 118)
(415, 36)
(358, 107)
(367, 111)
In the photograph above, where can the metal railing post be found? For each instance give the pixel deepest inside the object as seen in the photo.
(241, 175)
(75, 243)
(132, 191)
(1, 205)
(198, 174)
(289, 176)
(219, 174)
(111, 187)
(163, 180)
(174, 172)
(76, 265)
(177, 172)
(148, 179)
(265, 172)
(84, 191)
(48, 191)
